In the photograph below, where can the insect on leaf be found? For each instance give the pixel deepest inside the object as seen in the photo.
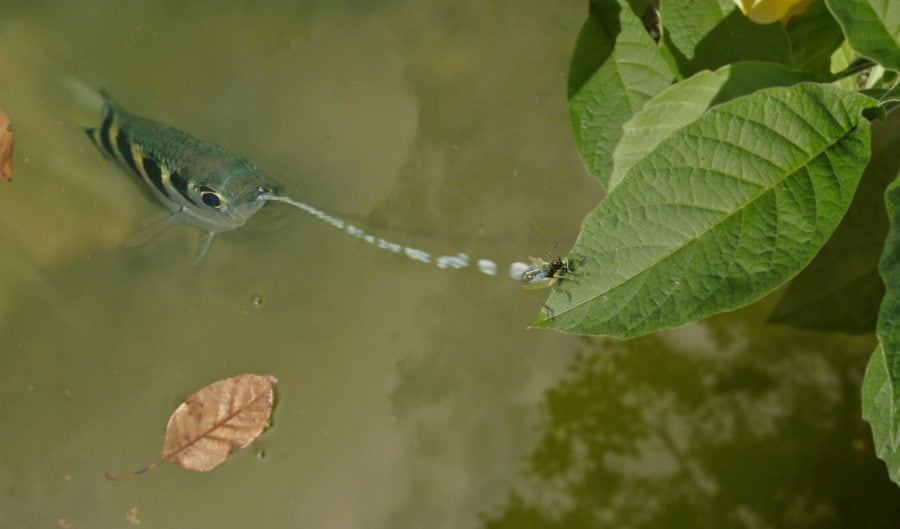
(6, 147)
(224, 415)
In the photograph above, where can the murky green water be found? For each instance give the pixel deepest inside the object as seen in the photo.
(409, 396)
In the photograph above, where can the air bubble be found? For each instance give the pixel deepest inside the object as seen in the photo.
(256, 300)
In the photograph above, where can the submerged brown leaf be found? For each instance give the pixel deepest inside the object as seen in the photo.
(6, 147)
(224, 415)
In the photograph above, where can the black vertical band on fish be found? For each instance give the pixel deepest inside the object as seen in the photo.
(154, 174)
(181, 185)
(125, 150)
(104, 134)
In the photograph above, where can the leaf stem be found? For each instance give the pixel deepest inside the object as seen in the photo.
(859, 65)
(128, 475)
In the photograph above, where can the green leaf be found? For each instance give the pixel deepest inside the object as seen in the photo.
(889, 315)
(708, 34)
(841, 289)
(849, 304)
(616, 68)
(842, 58)
(815, 35)
(872, 27)
(890, 98)
(719, 214)
(877, 410)
(685, 101)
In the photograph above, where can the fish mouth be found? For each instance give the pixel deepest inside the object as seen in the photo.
(263, 192)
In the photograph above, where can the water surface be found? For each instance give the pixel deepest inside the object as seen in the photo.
(408, 396)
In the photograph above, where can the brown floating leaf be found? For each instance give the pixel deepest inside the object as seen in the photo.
(6, 147)
(227, 414)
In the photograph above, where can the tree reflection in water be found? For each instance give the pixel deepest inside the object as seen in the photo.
(712, 425)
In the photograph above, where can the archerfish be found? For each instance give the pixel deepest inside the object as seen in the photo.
(201, 183)
(207, 186)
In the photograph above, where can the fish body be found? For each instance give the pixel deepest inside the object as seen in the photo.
(200, 183)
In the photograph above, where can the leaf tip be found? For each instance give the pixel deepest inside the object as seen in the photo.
(541, 322)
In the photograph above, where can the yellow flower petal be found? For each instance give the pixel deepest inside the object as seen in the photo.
(768, 11)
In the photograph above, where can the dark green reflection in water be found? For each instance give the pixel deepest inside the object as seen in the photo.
(743, 427)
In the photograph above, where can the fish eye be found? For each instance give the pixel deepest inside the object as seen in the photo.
(211, 198)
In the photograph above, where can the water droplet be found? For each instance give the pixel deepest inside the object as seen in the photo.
(486, 266)
(417, 255)
(518, 269)
(387, 245)
(453, 261)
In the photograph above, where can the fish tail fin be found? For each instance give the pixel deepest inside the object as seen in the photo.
(88, 106)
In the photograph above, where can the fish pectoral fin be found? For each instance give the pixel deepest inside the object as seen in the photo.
(151, 230)
(205, 242)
